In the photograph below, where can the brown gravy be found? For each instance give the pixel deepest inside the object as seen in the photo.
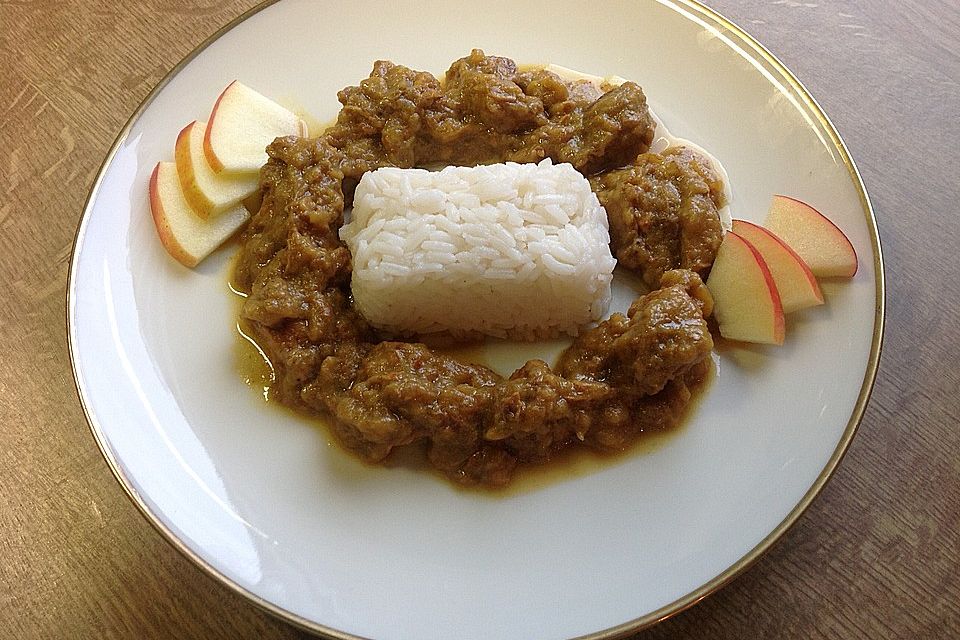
(569, 463)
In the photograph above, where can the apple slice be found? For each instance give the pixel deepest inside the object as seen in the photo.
(821, 244)
(208, 192)
(242, 124)
(185, 236)
(796, 285)
(746, 303)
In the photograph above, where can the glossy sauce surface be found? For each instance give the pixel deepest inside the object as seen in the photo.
(503, 357)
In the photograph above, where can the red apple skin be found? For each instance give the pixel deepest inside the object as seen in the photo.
(779, 330)
(741, 245)
(748, 231)
(212, 158)
(190, 176)
(226, 163)
(842, 238)
(200, 204)
(187, 237)
(167, 237)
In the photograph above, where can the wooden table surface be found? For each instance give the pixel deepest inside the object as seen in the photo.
(877, 554)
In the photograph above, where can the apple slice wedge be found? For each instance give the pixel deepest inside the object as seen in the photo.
(746, 302)
(208, 192)
(821, 244)
(241, 125)
(796, 284)
(186, 236)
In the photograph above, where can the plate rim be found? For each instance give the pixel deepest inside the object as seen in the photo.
(619, 631)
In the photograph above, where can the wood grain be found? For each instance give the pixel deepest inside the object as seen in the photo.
(877, 554)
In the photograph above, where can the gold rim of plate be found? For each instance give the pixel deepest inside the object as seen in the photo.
(719, 26)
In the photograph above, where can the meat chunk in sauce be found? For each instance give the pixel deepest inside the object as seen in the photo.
(596, 138)
(486, 111)
(663, 212)
(663, 335)
(631, 373)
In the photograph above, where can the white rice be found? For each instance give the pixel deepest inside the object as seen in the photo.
(506, 250)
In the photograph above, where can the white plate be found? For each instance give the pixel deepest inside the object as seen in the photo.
(262, 501)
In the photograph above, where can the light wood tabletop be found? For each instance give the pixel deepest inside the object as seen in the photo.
(876, 556)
